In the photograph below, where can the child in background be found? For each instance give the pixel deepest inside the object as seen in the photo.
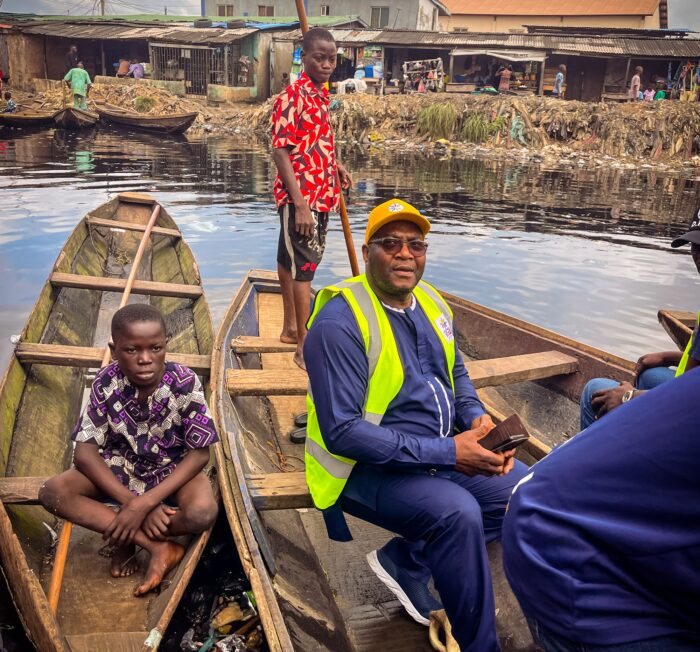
(10, 104)
(649, 93)
(558, 90)
(141, 442)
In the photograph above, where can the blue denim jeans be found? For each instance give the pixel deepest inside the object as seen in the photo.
(551, 642)
(647, 380)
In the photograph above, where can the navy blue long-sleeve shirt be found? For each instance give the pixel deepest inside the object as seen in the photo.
(417, 428)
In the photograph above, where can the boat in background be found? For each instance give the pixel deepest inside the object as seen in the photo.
(314, 593)
(175, 123)
(29, 118)
(41, 397)
(679, 325)
(74, 118)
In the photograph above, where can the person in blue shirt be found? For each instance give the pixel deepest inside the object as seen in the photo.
(601, 541)
(442, 493)
(601, 395)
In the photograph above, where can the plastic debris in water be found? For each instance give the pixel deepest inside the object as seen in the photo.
(187, 644)
(233, 643)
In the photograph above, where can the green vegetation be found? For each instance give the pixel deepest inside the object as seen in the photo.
(476, 128)
(143, 103)
(437, 120)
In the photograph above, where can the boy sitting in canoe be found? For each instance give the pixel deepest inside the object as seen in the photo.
(141, 442)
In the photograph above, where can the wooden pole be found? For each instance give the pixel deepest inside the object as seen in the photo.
(59, 562)
(347, 233)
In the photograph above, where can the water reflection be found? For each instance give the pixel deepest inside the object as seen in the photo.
(584, 252)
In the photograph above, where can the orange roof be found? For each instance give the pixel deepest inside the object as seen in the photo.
(553, 7)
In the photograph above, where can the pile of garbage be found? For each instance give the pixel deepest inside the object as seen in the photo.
(218, 613)
(665, 130)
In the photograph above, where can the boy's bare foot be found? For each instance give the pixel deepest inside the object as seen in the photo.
(288, 337)
(164, 557)
(124, 561)
(299, 360)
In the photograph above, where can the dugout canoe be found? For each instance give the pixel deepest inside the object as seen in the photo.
(27, 119)
(315, 593)
(73, 118)
(679, 325)
(175, 123)
(40, 400)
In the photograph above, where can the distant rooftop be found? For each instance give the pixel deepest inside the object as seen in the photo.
(552, 7)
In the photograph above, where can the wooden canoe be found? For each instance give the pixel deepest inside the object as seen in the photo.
(40, 399)
(679, 325)
(315, 593)
(27, 119)
(175, 123)
(72, 118)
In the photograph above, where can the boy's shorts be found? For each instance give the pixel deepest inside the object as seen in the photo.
(298, 254)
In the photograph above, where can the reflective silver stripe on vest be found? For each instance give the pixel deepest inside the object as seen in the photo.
(337, 468)
(375, 335)
(373, 417)
(437, 299)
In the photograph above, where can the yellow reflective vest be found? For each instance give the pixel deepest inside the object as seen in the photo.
(686, 354)
(326, 473)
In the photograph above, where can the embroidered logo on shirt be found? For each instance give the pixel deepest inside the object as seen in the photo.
(445, 328)
(395, 208)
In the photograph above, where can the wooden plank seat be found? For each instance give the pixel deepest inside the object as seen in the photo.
(62, 279)
(248, 344)
(86, 356)
(483, 373)
(20, 491)
(129, 226)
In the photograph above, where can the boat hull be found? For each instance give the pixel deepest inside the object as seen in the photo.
(41, 397)
(173, 124)
(72, 118)
(323, 596)
(26, 119)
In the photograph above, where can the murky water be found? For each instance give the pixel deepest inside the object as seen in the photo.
(582, 252)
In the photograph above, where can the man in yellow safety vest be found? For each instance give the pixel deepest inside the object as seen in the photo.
(393, 429)
(601, 395)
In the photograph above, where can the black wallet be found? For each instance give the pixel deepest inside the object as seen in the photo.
(506, 435)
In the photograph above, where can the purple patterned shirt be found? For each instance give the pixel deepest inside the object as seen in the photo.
(143, 444)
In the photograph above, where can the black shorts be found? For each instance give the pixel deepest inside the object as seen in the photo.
(298, 254)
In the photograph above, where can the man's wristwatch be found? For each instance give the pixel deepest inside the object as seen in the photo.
(628, 395)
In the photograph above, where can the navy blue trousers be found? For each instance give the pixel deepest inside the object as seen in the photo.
(444, 522)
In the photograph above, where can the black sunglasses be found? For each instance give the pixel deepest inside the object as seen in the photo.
(392, 246)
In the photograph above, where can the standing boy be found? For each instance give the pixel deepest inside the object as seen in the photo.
(305, 188)
(142, 443)
(558, 90)
(78, 80)
(636, 84)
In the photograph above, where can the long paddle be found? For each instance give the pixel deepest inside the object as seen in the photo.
(59, 563)
(347, 233)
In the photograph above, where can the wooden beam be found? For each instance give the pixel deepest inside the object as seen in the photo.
(21, 491)
(279, 490)
(129, 226)
(137, 198)
(87, 357)
(247, 344)
(519, 368)
(483, 373)
(105, 284)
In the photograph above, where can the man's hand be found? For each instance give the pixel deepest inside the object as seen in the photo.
(473, 458)
(303, 220)
(344, 176)
(605, 400)
(156, 524)
(484, 420)
(127, 522)
(651, 361)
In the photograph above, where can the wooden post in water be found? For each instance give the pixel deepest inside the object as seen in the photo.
(347, 233)
(59, 562)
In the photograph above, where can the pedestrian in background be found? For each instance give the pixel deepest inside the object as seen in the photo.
(636, 84)
(72, 58)
(558, 90)
(79, 83)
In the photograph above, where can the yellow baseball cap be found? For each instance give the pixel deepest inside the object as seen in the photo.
(394, 210)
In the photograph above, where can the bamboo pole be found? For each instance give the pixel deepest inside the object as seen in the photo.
(347, 233)
(59, 563)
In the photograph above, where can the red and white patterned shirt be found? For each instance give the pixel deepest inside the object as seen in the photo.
(300, 122)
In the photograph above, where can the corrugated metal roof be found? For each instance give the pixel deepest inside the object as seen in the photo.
(552, 7)
(608, 45)
(126, 32)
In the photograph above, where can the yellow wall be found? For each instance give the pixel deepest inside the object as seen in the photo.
(505, 23)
